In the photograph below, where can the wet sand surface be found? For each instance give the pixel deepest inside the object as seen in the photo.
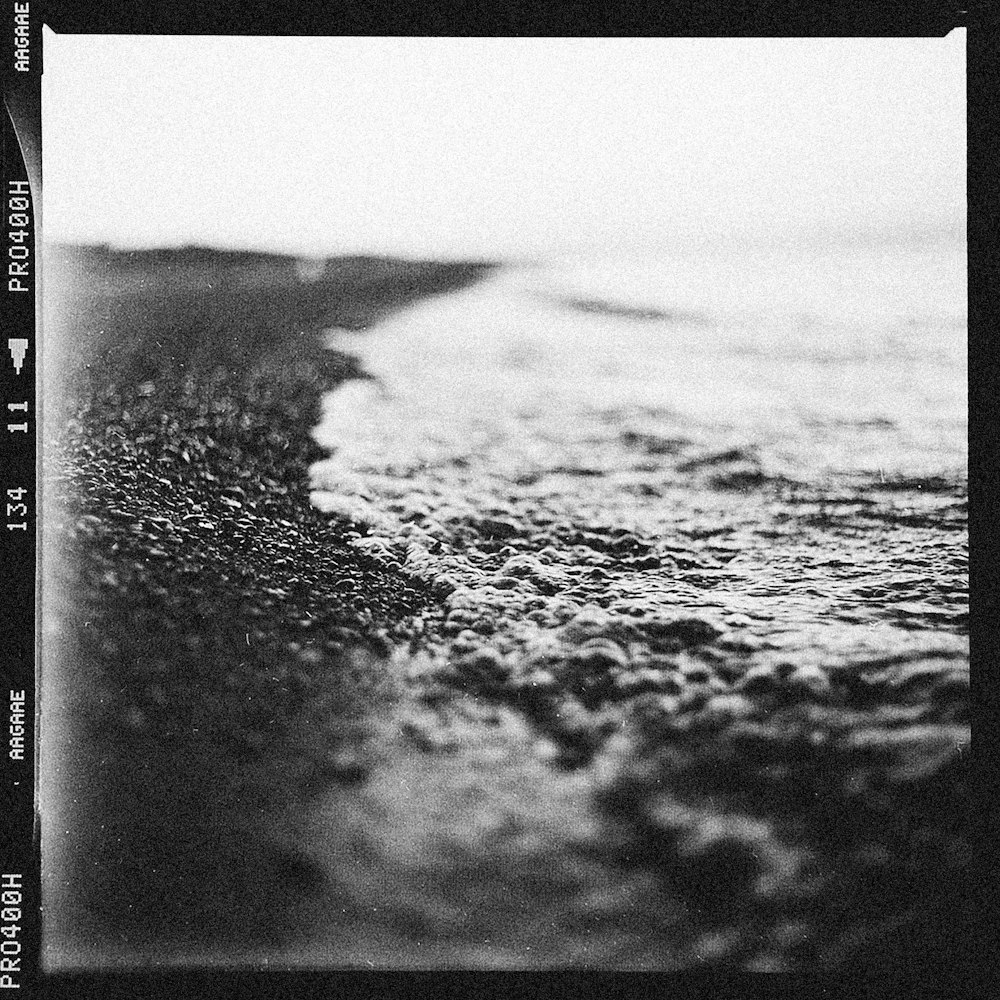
(620, 623)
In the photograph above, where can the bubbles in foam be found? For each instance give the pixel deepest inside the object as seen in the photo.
(689, 552)
(548, 466)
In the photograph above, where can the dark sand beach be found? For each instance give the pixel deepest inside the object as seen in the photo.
(376, 698)
(209, 639)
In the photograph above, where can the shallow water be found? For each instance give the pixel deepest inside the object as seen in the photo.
(659, 497)
(803, 468)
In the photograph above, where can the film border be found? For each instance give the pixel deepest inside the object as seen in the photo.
(20, 862)
(22, 162)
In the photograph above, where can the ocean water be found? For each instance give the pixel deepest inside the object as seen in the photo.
(728, 398)
(719, 494)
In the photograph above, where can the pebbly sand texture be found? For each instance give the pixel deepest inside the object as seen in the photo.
(545, 652)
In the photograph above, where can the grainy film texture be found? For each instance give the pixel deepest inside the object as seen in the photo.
(506, 504)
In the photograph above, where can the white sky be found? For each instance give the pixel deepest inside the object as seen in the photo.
(496, 146)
